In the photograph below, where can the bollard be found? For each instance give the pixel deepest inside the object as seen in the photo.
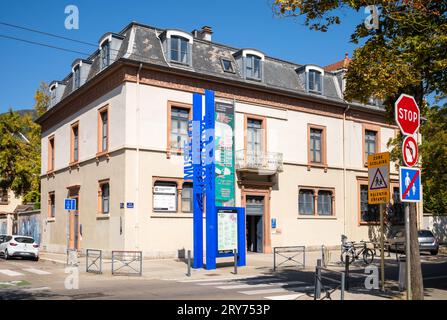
(189, 263)
(235, 261)
(347, 273)
(318, 280)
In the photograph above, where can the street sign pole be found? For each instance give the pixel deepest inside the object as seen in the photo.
(382, 246)
(407, 249)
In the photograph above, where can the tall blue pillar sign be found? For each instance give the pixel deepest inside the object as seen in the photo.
(199, 166)
(210, 182)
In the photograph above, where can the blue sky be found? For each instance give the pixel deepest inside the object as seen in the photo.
(248, 23)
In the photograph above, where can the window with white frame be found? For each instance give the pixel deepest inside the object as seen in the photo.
(180, 50)
(179, 127)
(77, 77)
(105, 54)
(253, 67)
(314, 81)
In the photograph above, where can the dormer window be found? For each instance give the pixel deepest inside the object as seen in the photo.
(253, 67)
(314, 79)
(53, 96)
(76, 77)
(227, 65)
(179, 50)
(105, 54)
(177, 47)
(251, 62)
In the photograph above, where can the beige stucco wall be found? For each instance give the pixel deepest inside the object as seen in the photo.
(138, 138)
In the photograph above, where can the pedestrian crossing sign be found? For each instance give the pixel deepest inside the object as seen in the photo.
(410, 184)
(379, 178)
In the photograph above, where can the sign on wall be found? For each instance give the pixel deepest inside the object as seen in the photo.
(224, 155)
(165, 198)
(379, 178)
(227, 230)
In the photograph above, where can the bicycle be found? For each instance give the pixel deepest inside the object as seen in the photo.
(349, 250)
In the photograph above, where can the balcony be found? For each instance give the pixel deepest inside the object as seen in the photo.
(264, 163)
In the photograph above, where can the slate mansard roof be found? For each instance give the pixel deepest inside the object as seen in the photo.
(143, 44)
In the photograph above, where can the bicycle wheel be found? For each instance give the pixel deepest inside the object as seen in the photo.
(347, 255)
(368, 256)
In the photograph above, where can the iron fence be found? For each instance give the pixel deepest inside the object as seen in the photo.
(72, 257)
(293, 256)
(328, 281)
(93, 261)
(128, 263)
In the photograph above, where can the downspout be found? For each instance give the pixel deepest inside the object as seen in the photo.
(344, 170)
(137, 166)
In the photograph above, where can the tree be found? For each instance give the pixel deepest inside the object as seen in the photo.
(20, 151)
(404, 54)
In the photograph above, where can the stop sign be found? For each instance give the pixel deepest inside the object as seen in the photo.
(407, 114)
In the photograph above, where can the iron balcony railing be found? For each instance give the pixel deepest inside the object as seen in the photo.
(263, 162)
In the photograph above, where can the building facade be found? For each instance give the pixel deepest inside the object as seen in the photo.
(113, 138)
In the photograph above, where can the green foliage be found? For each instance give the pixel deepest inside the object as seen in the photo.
(20, 151)
(406, 54)
(434, 155)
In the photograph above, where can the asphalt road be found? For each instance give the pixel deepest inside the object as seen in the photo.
(21, 279)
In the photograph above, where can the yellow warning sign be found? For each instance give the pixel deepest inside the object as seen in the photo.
(379, 178)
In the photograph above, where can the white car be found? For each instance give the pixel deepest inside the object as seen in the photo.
(19, 246)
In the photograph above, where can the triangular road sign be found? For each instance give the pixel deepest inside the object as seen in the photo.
(378, 182)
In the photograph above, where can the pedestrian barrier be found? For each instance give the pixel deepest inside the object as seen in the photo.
(127, 263)
(328, 281)
(293, 256)
(93, 261)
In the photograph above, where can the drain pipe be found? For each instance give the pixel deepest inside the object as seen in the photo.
(344, 169)
(137, 166)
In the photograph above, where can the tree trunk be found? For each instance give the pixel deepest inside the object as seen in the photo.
(417, 285)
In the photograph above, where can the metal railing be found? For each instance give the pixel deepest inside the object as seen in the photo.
(127, 263)
(93, 263)
(289, 256)
(262, 161)
(328, 285)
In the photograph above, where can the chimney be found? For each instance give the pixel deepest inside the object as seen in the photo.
(204, 34)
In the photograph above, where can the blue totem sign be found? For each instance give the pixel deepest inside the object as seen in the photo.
(199, 156)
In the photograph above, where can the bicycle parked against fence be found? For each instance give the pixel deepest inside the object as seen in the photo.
(352, 251)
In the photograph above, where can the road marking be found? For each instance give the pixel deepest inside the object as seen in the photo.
(37, 271)
(286, 297)
(276, 290)
(269, 284)
(239, 281)
(10, 273)
(211, 280)
(264, 291)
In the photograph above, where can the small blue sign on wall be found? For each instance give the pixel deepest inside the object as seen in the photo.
(70, 204)
(273, 223)
(130, 205)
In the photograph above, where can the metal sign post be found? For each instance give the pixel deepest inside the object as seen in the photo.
(379, 193)
(407, 115)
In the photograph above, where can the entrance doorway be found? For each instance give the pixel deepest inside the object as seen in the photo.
(254, 208)
(74, 224)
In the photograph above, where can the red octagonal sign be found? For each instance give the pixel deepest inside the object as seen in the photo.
(407, 114)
